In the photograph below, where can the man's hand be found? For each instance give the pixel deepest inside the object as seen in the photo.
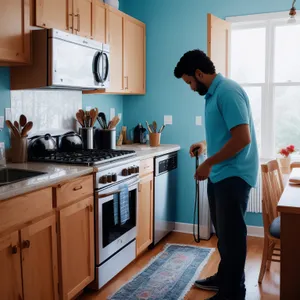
(200, 145)
(203, 171)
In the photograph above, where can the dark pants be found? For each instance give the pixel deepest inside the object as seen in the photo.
(228, 201)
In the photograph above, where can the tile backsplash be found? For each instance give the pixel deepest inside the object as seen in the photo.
(51, 111)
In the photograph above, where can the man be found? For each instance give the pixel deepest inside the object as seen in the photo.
(231, 168)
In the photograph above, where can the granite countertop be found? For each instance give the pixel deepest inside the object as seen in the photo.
(55, 173)
(142, 152)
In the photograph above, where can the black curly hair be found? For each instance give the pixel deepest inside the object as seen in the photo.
(193, 60)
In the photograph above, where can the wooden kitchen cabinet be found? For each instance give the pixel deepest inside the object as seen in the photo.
(115, 40)
(134, 56)
(10, 270)
(54, 14)
(14, 32)
(39, 260)
(74, 16)
(76, 227)
(99, 23)
(145, 214)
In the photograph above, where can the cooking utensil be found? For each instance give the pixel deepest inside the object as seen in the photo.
(42, 145)
(79, 119)
(14, 130)
(26, 128)
(149, 128)
(70, 141)
(17, 125)
(103, 117)
(93, 115)
(23, 120)
(154, 126)
(114, 122)
(161, 128)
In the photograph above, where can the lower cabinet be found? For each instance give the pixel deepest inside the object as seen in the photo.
(28, 257)
(76, 246)
(145, 213)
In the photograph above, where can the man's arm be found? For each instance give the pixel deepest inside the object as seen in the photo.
(239, 140)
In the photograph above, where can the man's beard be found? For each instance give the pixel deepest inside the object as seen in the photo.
(201, 88)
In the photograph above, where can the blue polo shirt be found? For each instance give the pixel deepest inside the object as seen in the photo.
(226, 106)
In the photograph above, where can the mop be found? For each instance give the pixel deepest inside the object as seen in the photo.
(197, 202)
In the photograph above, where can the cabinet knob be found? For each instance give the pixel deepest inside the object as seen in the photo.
(14, 249)
(26, 244)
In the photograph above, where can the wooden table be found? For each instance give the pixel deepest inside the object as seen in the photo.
(289, 208)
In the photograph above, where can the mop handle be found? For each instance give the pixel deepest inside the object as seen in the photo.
(197, 239)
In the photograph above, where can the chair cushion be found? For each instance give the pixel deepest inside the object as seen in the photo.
(275, 228)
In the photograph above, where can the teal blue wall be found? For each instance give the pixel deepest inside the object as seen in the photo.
(4, 101)
(172, 28)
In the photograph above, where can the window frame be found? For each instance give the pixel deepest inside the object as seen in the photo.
(270, 22)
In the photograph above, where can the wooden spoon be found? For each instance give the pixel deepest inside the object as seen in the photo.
(93, 115)
(17, 125)
(26, 129)
(14, 130)
(114, 122)
(23, 120)
(154, 125)
(79, 119)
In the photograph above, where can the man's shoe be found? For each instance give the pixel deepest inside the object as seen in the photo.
(209, 284)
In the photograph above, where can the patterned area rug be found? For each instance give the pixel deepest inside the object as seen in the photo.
(169, 275)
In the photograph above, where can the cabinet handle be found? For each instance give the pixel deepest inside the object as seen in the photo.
(26, 244)
(77, 188)
(126, 87)
(14, 249)
(78, 22)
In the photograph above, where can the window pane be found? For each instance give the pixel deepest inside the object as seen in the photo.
(254, 94)
(287, 49)
(248, 48)
(287, 116)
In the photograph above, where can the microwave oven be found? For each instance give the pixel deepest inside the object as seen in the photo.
(64, 61)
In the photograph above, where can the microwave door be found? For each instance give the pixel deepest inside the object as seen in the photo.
(105, 67)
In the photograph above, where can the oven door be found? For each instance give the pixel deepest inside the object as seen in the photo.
(116, 217)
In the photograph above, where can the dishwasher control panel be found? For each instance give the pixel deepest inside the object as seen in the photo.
(165, 163)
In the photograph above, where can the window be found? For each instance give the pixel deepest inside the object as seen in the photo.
(265, 62)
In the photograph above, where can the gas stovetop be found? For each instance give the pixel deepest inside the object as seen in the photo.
(84, 157)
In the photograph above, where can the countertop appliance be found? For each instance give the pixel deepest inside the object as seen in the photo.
(64, 60)
(165, 185)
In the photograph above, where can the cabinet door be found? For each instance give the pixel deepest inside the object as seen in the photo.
(134, 56)
(115, 40)
(10, 270)
(39, 260)
(53, 14)
(99, 22)
(15, 31)
(83, 18)
(145, 214)
(77, 247)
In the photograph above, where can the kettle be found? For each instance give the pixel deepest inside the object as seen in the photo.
(70, 141)
(41, 145)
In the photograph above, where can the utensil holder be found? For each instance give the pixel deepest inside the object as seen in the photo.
(19, 152)
(154, 139)
(87, 135)
(105, 138)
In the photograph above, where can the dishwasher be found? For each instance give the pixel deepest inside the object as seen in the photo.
(165, 193)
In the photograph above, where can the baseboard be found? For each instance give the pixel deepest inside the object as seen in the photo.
(188, 228)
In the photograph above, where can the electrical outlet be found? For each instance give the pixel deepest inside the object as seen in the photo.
(1, 122)
(120, 116)
(168, 120)
(8, 114)
(112, 113)
(198, 120)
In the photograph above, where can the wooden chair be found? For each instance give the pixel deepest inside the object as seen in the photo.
(272, 190)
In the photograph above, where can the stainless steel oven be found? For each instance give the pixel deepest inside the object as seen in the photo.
(116, 204)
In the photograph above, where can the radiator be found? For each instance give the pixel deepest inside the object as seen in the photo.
(255, 204)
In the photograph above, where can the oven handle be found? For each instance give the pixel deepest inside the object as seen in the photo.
(115, 191)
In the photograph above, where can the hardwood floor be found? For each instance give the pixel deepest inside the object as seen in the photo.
(269, 290)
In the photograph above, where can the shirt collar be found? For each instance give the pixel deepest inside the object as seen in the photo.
(214, 85)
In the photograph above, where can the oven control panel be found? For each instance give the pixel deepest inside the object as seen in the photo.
(117, 174)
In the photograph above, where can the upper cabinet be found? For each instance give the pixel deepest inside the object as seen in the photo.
(14, 32)
(49, 16)
(74, 16)
(134, 56)
(99, 23)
